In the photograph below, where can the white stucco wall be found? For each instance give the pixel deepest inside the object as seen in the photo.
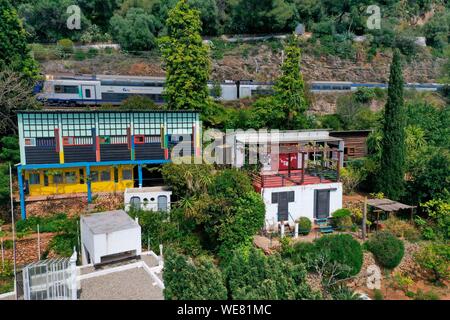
(100, 245)
(303, 205)
(152, 199)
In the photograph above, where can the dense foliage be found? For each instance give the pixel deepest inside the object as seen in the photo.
(435, 258)
(186, 279)
(14, 51)
(251, 275)
(186, 60)
(343, 249)
(387, 249)
(391, 181)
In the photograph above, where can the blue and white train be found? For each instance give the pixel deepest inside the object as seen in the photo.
(112, 89)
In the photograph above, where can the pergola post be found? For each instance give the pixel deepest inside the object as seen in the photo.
(21, 194)
(88, 183)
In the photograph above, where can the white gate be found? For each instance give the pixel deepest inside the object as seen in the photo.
(52, 279)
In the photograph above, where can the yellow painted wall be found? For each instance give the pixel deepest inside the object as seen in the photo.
(67, 188)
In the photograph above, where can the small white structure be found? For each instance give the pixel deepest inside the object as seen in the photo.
(314, 201)
(148, 198)
(109, 236)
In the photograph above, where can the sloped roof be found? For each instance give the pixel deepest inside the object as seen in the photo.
(388, 205)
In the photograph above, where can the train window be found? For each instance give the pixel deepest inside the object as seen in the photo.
(66, 89)
(87, 93)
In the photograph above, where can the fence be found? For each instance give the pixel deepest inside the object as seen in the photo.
(52, 279)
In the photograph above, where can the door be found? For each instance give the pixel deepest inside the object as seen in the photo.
(288, 161)
(162, 203)
(283, 206)
(88, 92)
(322, 204)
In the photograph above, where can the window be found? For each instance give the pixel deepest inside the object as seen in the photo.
(94, 176)
(81, 171)
(39, 125)
(46, 178)
(162, 203)
(116, 175)
(57, 178)
(30, 142)
(127, 174)
(105, 175)
(66, 89)
(87, 93)
(139, 139)
(77, 124)
(135, 203)
(35, 179)
(71, 177)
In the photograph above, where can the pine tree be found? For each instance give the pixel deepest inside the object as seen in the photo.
(14, 52)
(392, 169)
(289, 87)
(186, 59)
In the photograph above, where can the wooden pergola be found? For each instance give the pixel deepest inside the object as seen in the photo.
(385, 205)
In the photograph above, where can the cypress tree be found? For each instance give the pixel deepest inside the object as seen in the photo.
(392, 168)
(186, 59)
(14, 52)
(290, 87)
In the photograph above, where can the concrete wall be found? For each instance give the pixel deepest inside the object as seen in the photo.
(303, 205)
(100, 245)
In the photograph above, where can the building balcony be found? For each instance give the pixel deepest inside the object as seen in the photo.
(288, 178)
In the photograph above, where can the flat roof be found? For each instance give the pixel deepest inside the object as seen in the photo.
(388, 205)
(107, 111)
(147, 189)
(109, 221)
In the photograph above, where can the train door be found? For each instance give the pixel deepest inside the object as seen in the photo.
(88, 92)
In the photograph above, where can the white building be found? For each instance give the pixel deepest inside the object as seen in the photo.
(148, 198)
(109, 236)
(299, 174)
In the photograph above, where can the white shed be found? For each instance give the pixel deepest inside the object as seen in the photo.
(148, 198)
(109, 236)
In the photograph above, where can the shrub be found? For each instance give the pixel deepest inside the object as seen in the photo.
(252, 275)
(343, 249)
(387, 249)
(402, 282)
(402, 229)
(377, 294)
(435, 258)
(187, 279)
(342, 219)
(66, 45)
(92, 52)
(79, 55)
(430, 295)
(304, 225)
(301, 251)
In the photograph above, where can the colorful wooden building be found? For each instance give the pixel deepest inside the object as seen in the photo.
(65, 152)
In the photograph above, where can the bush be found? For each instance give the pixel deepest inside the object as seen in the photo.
(387, 249)
(402, 229)
(304, 226)
(430, 295)
(66, 45)
(377, 294)
(54, 223)
(342, 219)
(300, 252)
(187, 279)
(79, 55)
(435, 258)
(252, 275)
(343, 249)
(92, 53)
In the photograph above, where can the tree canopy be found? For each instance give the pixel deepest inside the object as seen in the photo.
(186, 59)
